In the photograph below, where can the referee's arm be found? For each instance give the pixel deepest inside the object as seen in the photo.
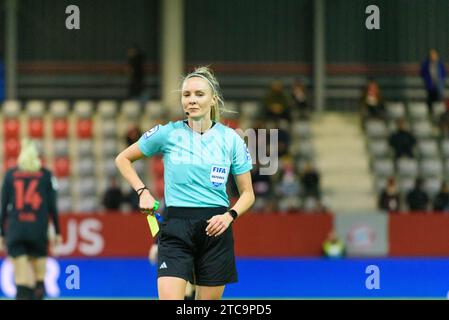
(124, 164)
(219, 223)
(245, 187)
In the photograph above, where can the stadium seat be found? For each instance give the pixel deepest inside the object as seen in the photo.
(376, 129)
(89, 204)
(60, 128)
(63, 186)
(59, 108)
(250, 109)
(379, 148)
(9, 163)
(85, 148)
(301, 129)
(406, 184)
(83, 109)
(60, 147)
(131, 109)
(154, 109)
(84, 167)
(395, 110)
(407, 167)
(35, 108)
(109, 129)
(62, 167)
(12, 148)
(432, 186)
(428, 149)
(64, 204)
(445, 148)
(431, 168)
(383, 167)
(84, 128)
(11, 108)
(85, 186)
(422, 129)
(109, 167)
(438, 109)
(107, 109)
(11, 128)
(36, 128)
(109, 148)
(418, 111)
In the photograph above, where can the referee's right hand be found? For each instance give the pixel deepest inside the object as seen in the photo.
(146, 202)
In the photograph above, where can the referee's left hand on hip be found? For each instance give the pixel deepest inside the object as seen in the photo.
(218, 224)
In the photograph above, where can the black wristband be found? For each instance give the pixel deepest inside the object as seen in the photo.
(233, 214)
(139, 191)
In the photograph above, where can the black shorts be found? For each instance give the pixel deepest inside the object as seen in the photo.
(34, 248)
(185, 251)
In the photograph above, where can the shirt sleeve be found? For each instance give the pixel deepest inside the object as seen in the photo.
(154, 140)
(241, 158)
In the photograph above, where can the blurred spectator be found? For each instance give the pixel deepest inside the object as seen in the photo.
(417, 199)
(299, 99)
(133, 199)
(133, 135)
(389, 199)
(441, 201)
(444, 122)
(333, 246)
(288, 187)
(113, 197)
(402, 141)
(262, 190)
(136, 72)
(372, 104)
(276, 102)
(433, 73)
(310, 179)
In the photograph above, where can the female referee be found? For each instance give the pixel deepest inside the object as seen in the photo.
(28, 199)
(196, 242)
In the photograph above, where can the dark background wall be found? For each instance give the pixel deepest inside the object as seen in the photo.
(108, 27)
(248, 43)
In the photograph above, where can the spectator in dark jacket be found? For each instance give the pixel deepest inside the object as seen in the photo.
(389, 198)
(310, 179)
(402, 141)
(441, 201)
(417, 199)
(113, 196)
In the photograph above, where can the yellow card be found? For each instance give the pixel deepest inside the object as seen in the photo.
(154, 226)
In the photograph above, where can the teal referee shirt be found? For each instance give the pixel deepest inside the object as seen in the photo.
(196, 166)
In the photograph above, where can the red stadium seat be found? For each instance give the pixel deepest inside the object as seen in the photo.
(10, 163)
(12, 148)
(62, 167)
(60, 128)
(84, 129)
(36, 128)
(11, 128)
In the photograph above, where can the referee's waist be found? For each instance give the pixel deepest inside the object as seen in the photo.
(194, 213)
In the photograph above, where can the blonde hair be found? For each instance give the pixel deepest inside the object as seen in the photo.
(207, 74)
(29, 157)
